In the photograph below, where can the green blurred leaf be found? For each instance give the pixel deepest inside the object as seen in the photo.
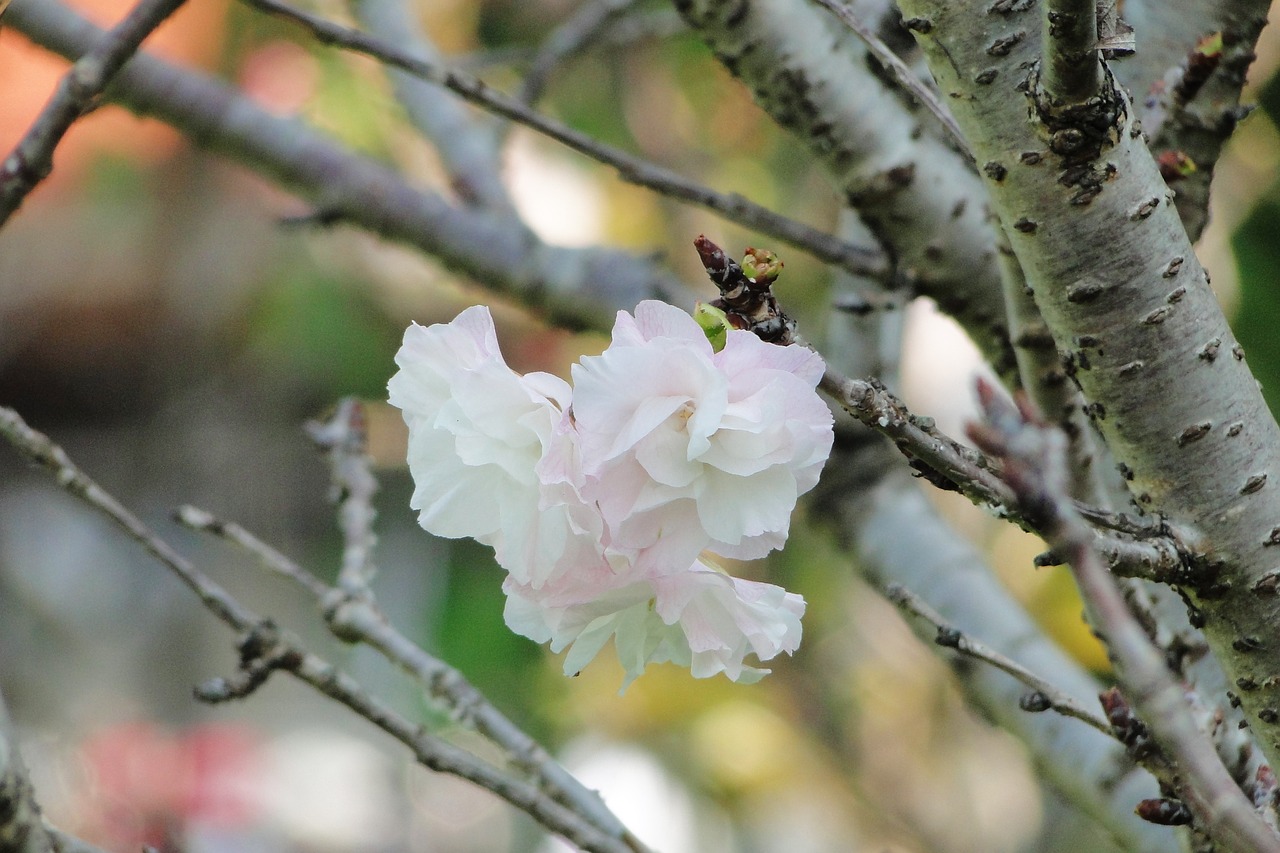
(324, 334)
(474, 638)
(1258, 317)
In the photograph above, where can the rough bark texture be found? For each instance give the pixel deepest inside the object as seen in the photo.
(1114, 275)
(917, 195)
(897, 536)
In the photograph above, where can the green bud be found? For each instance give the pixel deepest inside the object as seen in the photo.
(761, 265)
(714, 323)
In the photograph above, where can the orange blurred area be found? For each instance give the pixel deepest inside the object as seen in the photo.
(29, 75)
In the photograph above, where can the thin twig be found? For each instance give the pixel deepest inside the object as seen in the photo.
(902, 75)
(357, 619)
(343, 438)
(589, 21)
(953, 638)
(1070, 70)
(285, 652)
(950, 465)
(466, 143)
(856, 259)
(1035, 469)
(204, 521)
(31, 160)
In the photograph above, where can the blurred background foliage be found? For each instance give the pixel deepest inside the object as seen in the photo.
(160, 318)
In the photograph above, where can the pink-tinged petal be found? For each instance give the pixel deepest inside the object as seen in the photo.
(743, 352)
(731, 508)
(664, 456)
(659, 320)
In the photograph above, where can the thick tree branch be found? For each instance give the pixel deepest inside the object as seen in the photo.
(31, 161)
(574, 287)
(1035, 468)
(631, 169)
(1122, 292)
(265, 648)
(917, 195)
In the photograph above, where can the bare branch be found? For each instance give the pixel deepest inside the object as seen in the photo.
(356, 618)
(343, 439)
(468, 148)
(588, 22)
(265, 649)
(1045, 696)
(1035, 468)
(195, 518)
(32, 159)
(915, 193)
(1070, 70)
(856, 259)
(573, 287)
(950, 465)
(902, 75)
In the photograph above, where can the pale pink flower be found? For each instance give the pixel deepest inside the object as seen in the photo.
(686, 449)
(599, 507)
(700, 618)
(477, 430)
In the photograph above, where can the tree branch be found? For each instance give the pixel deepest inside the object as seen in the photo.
(1069, 67)
(342, 438)
(1120, 288)
(32, 159)
(265, 648)
(860, 260)
(1044, 696)
(587, 23)
(574, 287)
(916, 194)
(468, 148)
(1035, 469)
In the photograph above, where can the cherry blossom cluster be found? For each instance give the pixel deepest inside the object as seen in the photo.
(608, 502)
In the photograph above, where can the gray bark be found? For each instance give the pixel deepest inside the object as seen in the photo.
(916, 194)
(1115, 277)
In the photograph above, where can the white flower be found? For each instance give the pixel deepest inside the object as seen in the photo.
(600, 506)
(684, 448)
(477, 429)
(700, 618)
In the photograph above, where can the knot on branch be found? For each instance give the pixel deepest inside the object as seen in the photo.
(1080, 133)
(262, 651)
(347, 613)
